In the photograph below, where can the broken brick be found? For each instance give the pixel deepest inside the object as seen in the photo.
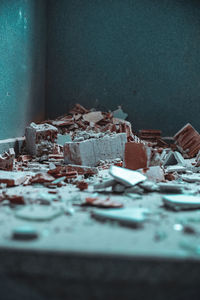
(188, 141)
(42, 178)
(102, 203)
(82, 185)
(135, 156)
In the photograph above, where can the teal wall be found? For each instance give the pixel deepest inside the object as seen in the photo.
(22, 64)
(141, 54)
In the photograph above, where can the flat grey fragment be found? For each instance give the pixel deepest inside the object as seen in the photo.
(176, 168)
(118, 113)
(171, 187)
(174, 158)
(149, 186)
(24, 233)
(191, 178)
(181, 202)
(39, 213)
(125, 216)
(126, 176)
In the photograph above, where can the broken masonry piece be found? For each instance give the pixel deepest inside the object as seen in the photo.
(126, 176)
(154, 173)
(181, 202)
(136, 156)
(40, 138)
(90, 152)
(102, 203)
(174, 158)
(188, 141)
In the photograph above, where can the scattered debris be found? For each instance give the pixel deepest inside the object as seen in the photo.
(136, 156)
(62, 162)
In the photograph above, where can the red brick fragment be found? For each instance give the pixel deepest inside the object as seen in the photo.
(14, 198)
(61, 171)
(24, 158)
(102, 203)
(149, 134)
(42, 178)
(188, 140)
(82, 185)
(135, 156)
(56, 156)
(71, 174)
(170, 176)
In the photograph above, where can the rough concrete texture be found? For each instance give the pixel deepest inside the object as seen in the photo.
(38, 134)
(90, 152)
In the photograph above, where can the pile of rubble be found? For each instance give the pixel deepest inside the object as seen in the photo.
(96, 153)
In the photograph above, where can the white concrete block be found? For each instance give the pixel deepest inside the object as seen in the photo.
(90, 152)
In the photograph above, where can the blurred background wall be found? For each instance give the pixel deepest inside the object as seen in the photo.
(22, 64)
(141, 54)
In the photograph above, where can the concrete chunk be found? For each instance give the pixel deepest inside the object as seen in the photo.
(40, 138)
(90, 152)
(174, 158)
